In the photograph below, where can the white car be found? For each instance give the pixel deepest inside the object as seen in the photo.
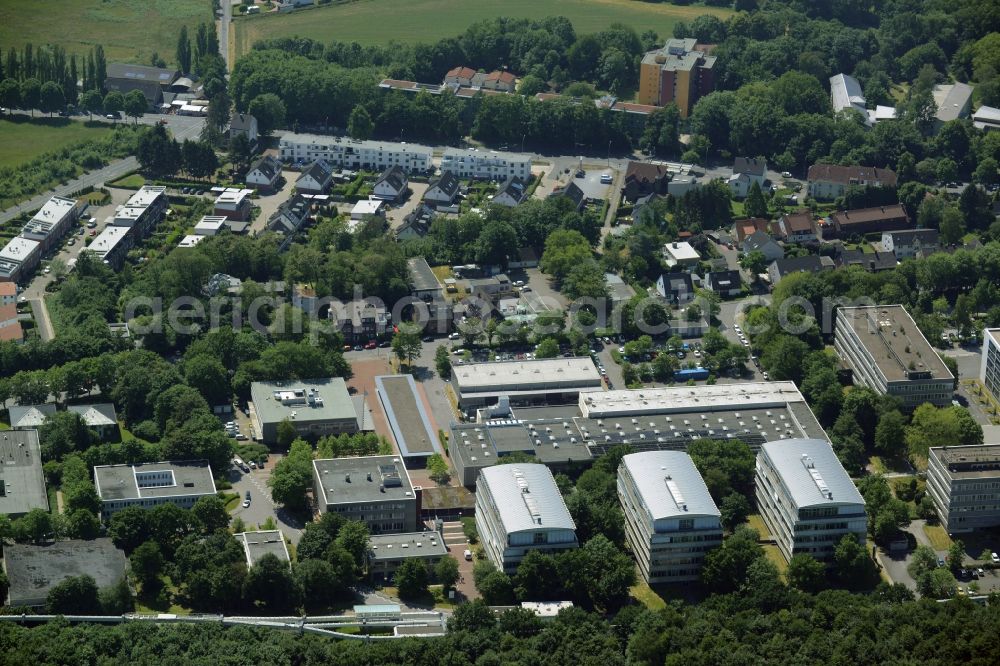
(786, 174)
(606, 179)
(995, 558)
(246, 503)
(764, 374)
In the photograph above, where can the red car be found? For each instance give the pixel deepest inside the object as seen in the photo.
(371, 345)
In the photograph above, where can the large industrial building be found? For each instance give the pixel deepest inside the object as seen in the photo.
(486, 164)
(806, 498)
(519, 509)
(315, 408)
(964, 482)
(681, 73)
(539, 381)
(348, 153)
(375, 490)
(22, 484)
(648, 419)
(887, 353)
(147, 485)
(671, 520)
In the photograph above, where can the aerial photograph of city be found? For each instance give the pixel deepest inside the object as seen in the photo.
(553, 332)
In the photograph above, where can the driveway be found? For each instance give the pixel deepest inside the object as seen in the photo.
(262, 506)
(398, 213)
(269, 203)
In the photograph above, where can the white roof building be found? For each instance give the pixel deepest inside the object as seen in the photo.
(986, 118)
(845, 93)
(366, 207)
(210, 225)
(679, 253)
(519, 509)
(20, 249)
(524, 381)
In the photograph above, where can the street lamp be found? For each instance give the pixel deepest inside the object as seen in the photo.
(609, 152)
(522, 141)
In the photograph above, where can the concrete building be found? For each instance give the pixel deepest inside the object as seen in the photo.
(142, 211)
(350, 153)
(829, 181)
(538, 381)
(34, 570)
(953, 101)
(112, 246)
(486, 164)
(989, 367)
(761, 241)
(20, 257)
(986, 118)
(367, 207)
(375, 490)
(408, 419)
(387, 552)
(806, 498)
(681, 72)
(886, 351)
(908, 243)
(424, 284)
(315, 407)
(964, 482)
(51, 222)
(147, 485)
(258, 544)
(676, 288)
(22, 484)
(234, 204)
(210, 225)
(678, 253)
(845, 94)
(519, 509)
(671, 520)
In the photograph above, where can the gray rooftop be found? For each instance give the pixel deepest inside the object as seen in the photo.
(892, 338)
(952, 101)
(22, 486)
(363, 479)
(514, 375)
(811, 473)
(407, 544)
(303, 401)
(407, 416)
(30, 416)
(96, 415)
(156, 479)
(969, 462)
(526, 497)
(34, 570)
(669, 485)
(422, 276)
(258, 544)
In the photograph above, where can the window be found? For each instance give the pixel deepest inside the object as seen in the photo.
(686, 524)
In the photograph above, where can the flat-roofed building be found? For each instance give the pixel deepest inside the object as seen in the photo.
(486, 164)
(147, 485)
(680, 254)
(989, 368)
(424, 284)
(964, 482)
(51, 222)
(408, 419)
(210, 225)
(550, 380)
(953, 100)
(315, 408)
(681, 72)
(34, 570)
(258, 544)
(234, 204)
(519, 509)
(387, 552)
(374, 490)
(671, 520)
(112, 246)
(19, 258)
(143, 210)
(350, 153)
(887, 352)
(22, 484)
(806, 498)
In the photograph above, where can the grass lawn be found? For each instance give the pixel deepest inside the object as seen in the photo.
(24, 139)
(131, 181)
(757, 523)
(426, 21)
(938, 537)
(645, 595)
(777, 559)
(129, 30)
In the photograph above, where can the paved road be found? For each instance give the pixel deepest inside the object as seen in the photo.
(262, 506)
(223, 24)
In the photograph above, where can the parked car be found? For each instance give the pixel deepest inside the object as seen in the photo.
(371, 345)
(468, 555)
(995, 558)
(246, 502)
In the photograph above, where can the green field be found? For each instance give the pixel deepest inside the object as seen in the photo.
(129, 30)
(381, 21)
(25, 139)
